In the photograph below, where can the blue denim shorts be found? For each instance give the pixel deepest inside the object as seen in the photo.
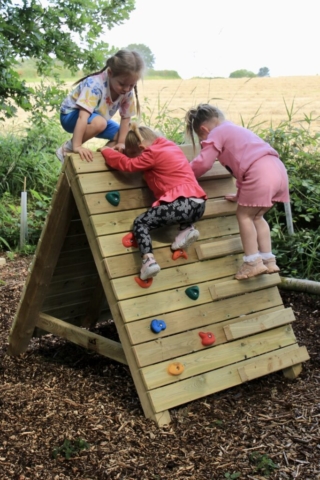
(69, 120)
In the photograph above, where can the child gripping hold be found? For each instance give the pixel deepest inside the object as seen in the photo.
(167, 172)
(87, 111)
(261, 180)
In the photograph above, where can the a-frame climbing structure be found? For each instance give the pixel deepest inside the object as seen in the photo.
(82, 269)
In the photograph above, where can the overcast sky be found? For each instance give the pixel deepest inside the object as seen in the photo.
(213, 38)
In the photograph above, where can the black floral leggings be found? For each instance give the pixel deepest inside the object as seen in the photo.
(183, 211)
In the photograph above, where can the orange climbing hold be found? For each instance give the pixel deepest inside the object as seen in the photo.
(175, 368)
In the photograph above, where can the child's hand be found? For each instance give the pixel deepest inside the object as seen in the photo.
(231, 197)
(84, 153)
(120, 147)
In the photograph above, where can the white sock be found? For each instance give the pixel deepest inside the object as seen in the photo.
(267, 256)
(252, 258)
(69, 145)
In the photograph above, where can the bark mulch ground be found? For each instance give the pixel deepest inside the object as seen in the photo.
(67, 413)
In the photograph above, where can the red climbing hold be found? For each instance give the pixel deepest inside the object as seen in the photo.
(143, 283)
(129, 240)
(207, 338)
(178, 254)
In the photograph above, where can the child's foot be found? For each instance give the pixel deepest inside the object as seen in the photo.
(251, 269)
(62, 151)
(185, 238)
(271, 265)
(149, 268)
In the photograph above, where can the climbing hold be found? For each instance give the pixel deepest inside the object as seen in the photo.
(113, 198)
(193, 292)
(158, 325)
(179, 253)
(129, 240)
(207, 338)
(144, 283)
(175, 368)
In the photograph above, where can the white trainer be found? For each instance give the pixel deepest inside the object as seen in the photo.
(185, 238)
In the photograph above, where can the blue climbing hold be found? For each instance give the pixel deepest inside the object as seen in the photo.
(158, 325)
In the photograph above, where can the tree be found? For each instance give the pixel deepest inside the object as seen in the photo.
(264, 72)
(145, 52)
(67, 30)
(241, 74)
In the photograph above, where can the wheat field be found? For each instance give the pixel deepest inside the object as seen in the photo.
(264, 98)
(256, 100)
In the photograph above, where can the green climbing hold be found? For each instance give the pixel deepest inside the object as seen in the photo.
(113, 198)
(193, 292)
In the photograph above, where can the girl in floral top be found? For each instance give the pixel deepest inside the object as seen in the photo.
(87, 111)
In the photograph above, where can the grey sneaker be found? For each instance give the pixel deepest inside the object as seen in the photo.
(185, 238)
(62, 151)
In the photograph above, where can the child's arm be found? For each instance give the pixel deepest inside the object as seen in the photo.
(204, 161)
(124, 128)
(78, 135)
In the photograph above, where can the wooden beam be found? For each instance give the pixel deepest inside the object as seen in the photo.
(80, 336)
(258, 323)
(45, 260)
(275, 362)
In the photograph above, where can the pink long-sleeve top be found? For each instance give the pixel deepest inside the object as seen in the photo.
(235, 147)
(167, 171)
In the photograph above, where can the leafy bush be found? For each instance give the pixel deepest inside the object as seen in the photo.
(31, 158)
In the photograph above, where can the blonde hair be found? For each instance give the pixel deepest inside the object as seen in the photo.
(137, 134)
(195, 117)
(124, 62)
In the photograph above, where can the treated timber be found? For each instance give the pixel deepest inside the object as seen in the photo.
(92, 278)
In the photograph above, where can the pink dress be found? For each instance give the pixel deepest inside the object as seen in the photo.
(261, 176)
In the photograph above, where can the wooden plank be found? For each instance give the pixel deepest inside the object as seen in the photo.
(237, 287)
(71, 283)
(184, 343)
(122, 221)
(84, 338)
(130, 263)
(208, 383)
(258, 323)
(64, 273)
(275, 362)
(218, 188)
(111, 245)
(162, 302)
(67, 298)
(221, 207)
(109, 181)
(42, 268)
(97, 203)
(219, 248)
(178, 277)
(199, 315)
(217, 357)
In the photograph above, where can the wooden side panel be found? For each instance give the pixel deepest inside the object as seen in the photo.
(221, 379)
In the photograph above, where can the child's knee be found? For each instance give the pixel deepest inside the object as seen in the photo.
(99, 123)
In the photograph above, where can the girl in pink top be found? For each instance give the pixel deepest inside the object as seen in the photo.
(167, 172)
(261, 180)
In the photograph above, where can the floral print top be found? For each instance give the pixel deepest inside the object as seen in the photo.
(93, 94)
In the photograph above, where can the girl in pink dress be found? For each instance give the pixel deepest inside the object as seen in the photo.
(167, 172)
(261, 180)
